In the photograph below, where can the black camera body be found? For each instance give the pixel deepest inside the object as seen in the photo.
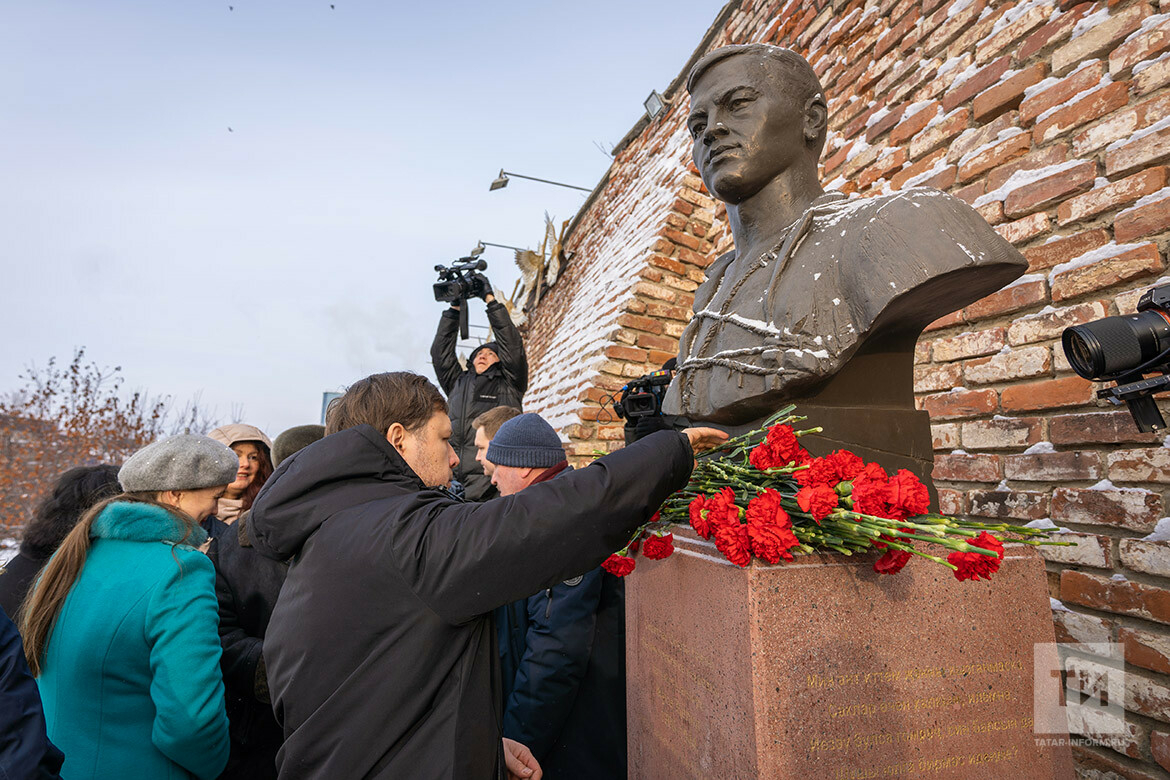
(1124, 349)
(643, 397)
(461, 280)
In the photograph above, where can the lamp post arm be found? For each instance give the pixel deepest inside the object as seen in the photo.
(547, 181)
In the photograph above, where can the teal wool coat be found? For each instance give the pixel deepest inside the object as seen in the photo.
(130, 679)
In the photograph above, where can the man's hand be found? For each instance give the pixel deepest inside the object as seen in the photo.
(485, 288)
(521, 763)
(705, 438)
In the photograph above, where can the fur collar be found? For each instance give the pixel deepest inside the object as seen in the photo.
(133, 521)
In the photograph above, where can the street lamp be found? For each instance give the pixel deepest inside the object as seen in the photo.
(501, 181)
(479, 247)
(655, 105)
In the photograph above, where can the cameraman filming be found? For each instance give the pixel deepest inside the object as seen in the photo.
(497, 375)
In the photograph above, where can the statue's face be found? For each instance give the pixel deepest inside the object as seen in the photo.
(747, 128)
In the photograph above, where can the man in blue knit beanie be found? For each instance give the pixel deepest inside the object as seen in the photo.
(522, 450)
(562, 651)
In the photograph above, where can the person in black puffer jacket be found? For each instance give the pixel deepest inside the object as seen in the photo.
(497, 376)
(74, 492)
(247, 585)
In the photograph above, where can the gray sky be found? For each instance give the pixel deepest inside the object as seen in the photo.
(261, 266)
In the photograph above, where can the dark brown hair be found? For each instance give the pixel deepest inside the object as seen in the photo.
(381, 400)
(40, 610)
(74, 492)
(492, 419)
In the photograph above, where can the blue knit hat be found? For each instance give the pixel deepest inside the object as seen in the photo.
(526, 441)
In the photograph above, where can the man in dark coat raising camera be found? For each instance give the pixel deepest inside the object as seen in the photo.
(497, 376)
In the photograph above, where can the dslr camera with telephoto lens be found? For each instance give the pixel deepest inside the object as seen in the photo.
(1124, 350)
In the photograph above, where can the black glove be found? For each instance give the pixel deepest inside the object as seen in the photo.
(485, 287)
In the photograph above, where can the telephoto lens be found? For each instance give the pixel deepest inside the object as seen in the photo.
(1115, 346)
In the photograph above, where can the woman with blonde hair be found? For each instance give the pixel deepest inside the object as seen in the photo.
(121, 629)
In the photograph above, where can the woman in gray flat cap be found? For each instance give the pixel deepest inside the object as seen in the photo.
(121, 630)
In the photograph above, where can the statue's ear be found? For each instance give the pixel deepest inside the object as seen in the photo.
(816, 119)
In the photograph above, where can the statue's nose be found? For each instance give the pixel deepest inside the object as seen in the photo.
(713, 131)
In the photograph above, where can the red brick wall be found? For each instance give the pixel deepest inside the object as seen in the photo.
(1051, 119)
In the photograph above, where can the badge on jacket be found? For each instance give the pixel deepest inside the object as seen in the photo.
(574, 580)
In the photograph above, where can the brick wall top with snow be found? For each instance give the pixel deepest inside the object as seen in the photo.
(1053, 120)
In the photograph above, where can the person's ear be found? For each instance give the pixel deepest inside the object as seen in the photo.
(816, 118)
(170, 497)
(396, 435)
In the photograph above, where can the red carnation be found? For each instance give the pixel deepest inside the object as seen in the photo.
(892, 562)
(908, 495)
(721, 509)
(658, 547)
(770, 528)
(699, 520)
(618, 565)
(732, 540)
(817, 500)
(777, 450)
(846, 464)
(973, 565)
(764, 457)
(871, 497)
(820, 471)
(871, 471)
(782, 440)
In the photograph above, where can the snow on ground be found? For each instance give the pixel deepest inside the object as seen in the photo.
(8, 549)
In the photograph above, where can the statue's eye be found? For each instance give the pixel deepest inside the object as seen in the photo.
(696, 128)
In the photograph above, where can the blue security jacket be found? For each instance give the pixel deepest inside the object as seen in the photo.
(25, 750)
(562, 660)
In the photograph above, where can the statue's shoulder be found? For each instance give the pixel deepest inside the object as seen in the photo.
(921, 220)
(895, 209)
(926, 249)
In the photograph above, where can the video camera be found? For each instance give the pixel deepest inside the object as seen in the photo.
(460, 281)
(643, 397)
(1123, 350)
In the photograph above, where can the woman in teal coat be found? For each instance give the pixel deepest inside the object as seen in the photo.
(121, 629)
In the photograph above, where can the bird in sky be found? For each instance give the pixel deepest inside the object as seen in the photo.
(230, 130)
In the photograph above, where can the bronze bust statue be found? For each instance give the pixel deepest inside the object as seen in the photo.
(823, 298)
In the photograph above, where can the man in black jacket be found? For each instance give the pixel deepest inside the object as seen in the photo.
(563, 650)
(497, 376)
(381, 652)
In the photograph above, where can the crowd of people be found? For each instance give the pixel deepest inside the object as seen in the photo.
(412, 590)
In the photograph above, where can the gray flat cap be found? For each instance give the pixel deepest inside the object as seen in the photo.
(186, 462)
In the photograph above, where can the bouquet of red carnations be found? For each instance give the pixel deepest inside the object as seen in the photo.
(763, 495)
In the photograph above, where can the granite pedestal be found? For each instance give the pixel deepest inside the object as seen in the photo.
(821, 669)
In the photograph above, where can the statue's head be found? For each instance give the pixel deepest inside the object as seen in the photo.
(757, 111)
